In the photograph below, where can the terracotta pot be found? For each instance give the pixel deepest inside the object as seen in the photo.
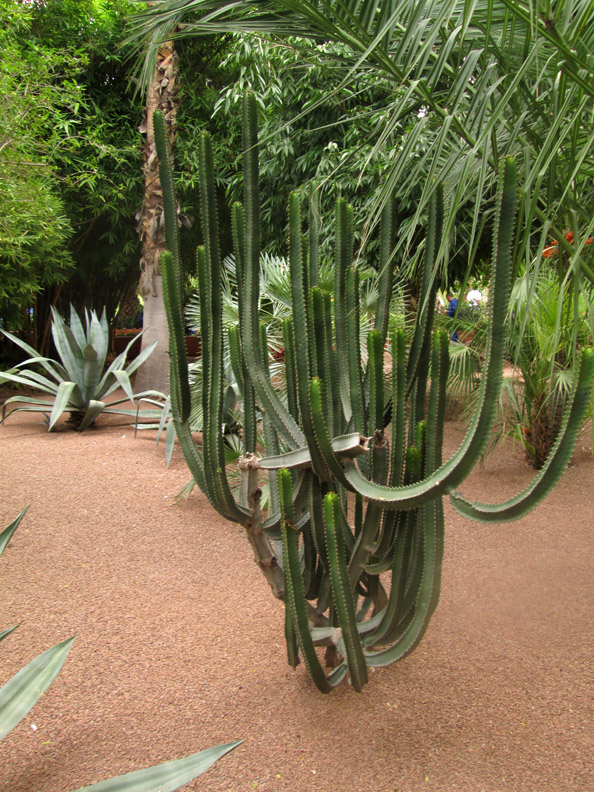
(193, 345)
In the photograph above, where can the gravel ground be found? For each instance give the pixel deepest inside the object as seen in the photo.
(180, 644)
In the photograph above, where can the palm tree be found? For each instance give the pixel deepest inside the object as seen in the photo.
(162, 94)
(474, 82)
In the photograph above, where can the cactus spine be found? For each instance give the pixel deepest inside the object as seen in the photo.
(347, 510)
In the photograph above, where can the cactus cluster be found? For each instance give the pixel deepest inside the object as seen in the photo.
(352, 539)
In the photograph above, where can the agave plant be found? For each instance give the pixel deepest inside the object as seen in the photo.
(25, 688)
(78, 384)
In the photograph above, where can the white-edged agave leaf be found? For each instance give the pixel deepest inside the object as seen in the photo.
(165, 777)
(31, 405)
(58, 373)
(141, 397)
(123, 381)
(77, 329)
(27, 686)
(5, 633)
(170, 435)
(38, 380)
(164, 416)
(107, 379)
(91, 372)
(21, 379)
(70, 353)
(94, 408)
(148, 414)
(62, 402)
(10, 529)
(138, 361)
(98, 333)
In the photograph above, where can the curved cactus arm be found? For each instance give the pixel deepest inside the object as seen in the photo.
(346, 446)
(386, 270)
(295, 600)
(321, 437)
(457, 468)
(291, 639)
(290, 367)
(371, 526)
(236, 347)
(314, 236)
(556, 462)
(212, 391)
(354, 366)
(397, 451)
(236, 358)
(182, 402)
(322, 346)
(285, 424)
(305, 361)
(209, 271)
(342, 261)
(428, 592)
(316, 494)
(270, 436)
(375, 347)
(180, 393)
(437, 396)
(421, 340)
(343, 600)
(392, 614)
(272, 523)
(309, 558)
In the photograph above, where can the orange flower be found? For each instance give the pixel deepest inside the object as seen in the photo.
(553, 249)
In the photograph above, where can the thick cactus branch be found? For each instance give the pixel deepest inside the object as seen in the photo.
(332, 527)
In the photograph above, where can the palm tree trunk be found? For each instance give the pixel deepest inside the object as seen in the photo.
(162, 95)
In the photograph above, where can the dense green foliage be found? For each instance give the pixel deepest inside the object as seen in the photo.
(314, 135)
(39, 96)
(474, 83)
(71, 159)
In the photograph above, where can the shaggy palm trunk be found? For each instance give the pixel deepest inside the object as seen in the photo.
(163, 96)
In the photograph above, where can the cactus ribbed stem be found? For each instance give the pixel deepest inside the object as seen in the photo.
(321, 551)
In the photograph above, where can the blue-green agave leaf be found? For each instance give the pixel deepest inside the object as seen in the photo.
(164, 777)
(10, 529)
(27, 686)
(94, 408)
(5, 633)
(65, 391)
(77, 329)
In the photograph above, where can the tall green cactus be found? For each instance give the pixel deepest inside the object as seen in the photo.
(353, 538)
